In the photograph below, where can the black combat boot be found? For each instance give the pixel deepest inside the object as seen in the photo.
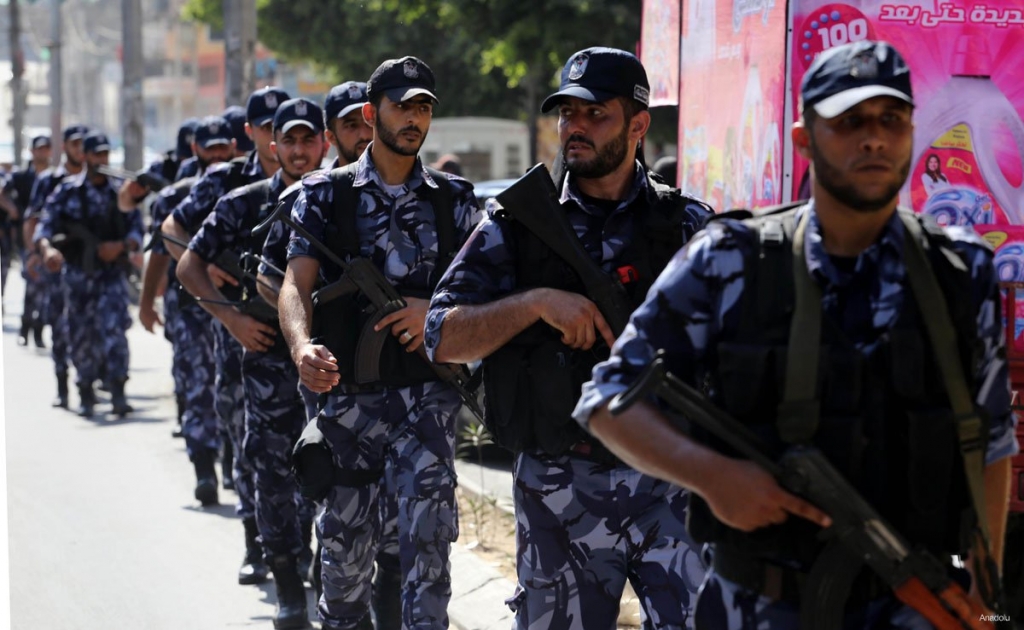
(253, 569)
(206, 476)
(37, 334)
(87, 401)
(386, 596)
(119, 402)
(23, 332)
(179, 399)
(227, 463)
(62, 391)
(291, 594)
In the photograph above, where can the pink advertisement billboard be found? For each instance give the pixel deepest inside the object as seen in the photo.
(659, 49)
(731, 101)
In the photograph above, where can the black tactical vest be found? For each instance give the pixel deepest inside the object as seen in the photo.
(532, 383)
(339, 323)
(885, 422)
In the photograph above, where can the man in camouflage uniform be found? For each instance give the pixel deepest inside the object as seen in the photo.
(402, 424)
(169, 166)
(350, 135)
(722, 314)
(53, 291)
(585, 522)
(18, 193)
(188, 327)
(274, 411)
(183, 222)
(96, 289)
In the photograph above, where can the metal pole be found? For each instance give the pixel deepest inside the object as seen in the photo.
(247, 11)
(17, 89)
(232, 53)
(56, 77)
(133, 71)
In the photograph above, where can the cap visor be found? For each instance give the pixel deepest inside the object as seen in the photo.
(292, 124)
(399, 95)
(74, 136)
(839, 103)
(349, 108)
(101, 148)
(212, 142)
(262, 120)
(595, 96)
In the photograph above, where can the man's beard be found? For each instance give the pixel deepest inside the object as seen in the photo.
(352, 155)
(72, 161)
(832, 180)
(390, 139)
(608, 158)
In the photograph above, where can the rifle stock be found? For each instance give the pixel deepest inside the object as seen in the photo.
(916, 577)
(533, 201)
(153, 182)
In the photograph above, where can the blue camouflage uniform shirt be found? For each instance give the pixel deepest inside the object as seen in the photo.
(395, 224)
(696, 302)
(485, 269)
(46, 182)
(204, 195)
(189, 167)
(65, 204)
(166, 200)
(231, 222)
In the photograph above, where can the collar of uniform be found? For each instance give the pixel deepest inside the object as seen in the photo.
(571, 192)
(366, 172)
(252, 167)
(887, 249)
(277, 184)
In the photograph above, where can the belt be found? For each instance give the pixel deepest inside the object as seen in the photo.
(780, 583)
(587, 448)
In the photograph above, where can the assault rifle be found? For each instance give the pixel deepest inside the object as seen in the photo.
(151, 181)
(533, 201)
(228, 260)
(362, 276)
(858, 534)
(78, 245)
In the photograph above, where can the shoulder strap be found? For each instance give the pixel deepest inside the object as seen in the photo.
(970, 428)
(442, 200)
(341, 234)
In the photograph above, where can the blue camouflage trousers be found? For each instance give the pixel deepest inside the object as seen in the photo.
(274, 418)
(229, 403)
(582, 529)
(191, 332)
(35, 290)
(96, 307)
(54, 316)
(408, 434)
(172, 327)
(724, 605)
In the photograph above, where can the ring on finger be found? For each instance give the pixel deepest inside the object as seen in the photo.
(405, 337)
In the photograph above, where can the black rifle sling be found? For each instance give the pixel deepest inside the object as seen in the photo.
(970, 427)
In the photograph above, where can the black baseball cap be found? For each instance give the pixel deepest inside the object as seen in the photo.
(75, 132)
(599, 74)
(41, 141)
(235, 116)
(96, 142)
(299, 111)
(262, 104)
(344, 98)
(213, 130)
(846, 75)
(401, 79)
(186, 134)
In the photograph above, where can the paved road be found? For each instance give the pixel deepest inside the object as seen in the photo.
(104, 532)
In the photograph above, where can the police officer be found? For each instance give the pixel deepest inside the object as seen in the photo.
(509, 300)
(395, 215)
(184, 221)
(723, 312)
(188, 326)
(274, 411)
(18, 193)
(169, 165)
(96, 290)
(53, 293)
(348, 132)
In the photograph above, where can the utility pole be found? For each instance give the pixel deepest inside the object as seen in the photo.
(132, 73)
(17, 87)
(239, 50)
(56, 77)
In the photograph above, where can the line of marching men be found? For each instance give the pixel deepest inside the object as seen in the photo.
(314, 302)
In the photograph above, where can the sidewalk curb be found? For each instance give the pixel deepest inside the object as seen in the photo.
(479, 590)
